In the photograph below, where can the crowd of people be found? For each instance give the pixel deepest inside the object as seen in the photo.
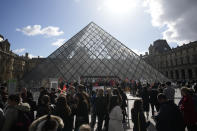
(81, 108)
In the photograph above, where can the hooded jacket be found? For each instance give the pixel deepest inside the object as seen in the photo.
(11, 114)
(39, 123)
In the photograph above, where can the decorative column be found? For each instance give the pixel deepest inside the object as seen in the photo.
(180, 74)
(194, 75)
(174, 74)
(186, 74)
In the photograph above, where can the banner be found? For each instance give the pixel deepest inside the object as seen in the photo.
(53, 83)
(97, 87)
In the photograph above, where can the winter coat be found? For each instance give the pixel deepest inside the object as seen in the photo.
(53, 97)
(44, 110)
(124, 100)
(187, 107)
(28, 98)
(38, 124)
(100, 106)
(81, 114)
(153, 96)
(115, 119)
(66, 117)
(145, 99)
(138, 120)
(44, 92)
(11, 115)
(169, 118)
(93, 100)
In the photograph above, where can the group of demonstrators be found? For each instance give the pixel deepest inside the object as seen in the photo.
(80, 107)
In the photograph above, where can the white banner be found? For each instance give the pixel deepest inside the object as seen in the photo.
(97, 87)
(53, 83)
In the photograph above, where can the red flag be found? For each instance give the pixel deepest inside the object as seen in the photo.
(64, 89)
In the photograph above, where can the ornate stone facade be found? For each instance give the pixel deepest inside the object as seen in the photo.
(13, 66)
(177, 63)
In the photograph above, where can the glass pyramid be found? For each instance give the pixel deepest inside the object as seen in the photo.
(94, 52)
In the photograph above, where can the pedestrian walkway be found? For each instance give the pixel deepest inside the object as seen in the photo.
(129, 126)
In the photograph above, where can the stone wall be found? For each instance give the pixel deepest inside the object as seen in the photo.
(13, 66)
(178, 63)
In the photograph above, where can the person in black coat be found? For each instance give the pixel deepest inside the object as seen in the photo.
(153, 99)
(27, 97)
(72, 104)
(93, 109)
(108, 95)
(63, 110)
(138, 118)
(43, 92)
(53, 96)
(169, 117)
(81, 111)
(44, 108)
(100, 108)
(124, 104)
(3, 97)
(146, 99)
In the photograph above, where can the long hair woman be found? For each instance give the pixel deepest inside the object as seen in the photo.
(115, 115)
(44, 108)
(63, 110)
(138, 117)
(81, 111)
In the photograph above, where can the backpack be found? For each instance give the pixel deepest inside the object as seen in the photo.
(23, 121)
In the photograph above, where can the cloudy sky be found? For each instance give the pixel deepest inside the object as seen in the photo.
(41, 26)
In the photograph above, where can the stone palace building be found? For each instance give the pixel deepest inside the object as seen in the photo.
(178, 63)
(13, 66)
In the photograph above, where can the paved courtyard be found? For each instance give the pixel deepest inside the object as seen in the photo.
(129, 126)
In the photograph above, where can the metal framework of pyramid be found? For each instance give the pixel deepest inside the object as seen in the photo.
(94, 52)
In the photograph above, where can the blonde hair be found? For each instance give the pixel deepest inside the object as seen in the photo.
(109, 91)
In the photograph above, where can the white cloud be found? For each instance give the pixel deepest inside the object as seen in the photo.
(33, 56)
(178, 16)
(138, 52)
(58, 43)
(18, 51)
(38, 30)
(21, 52)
